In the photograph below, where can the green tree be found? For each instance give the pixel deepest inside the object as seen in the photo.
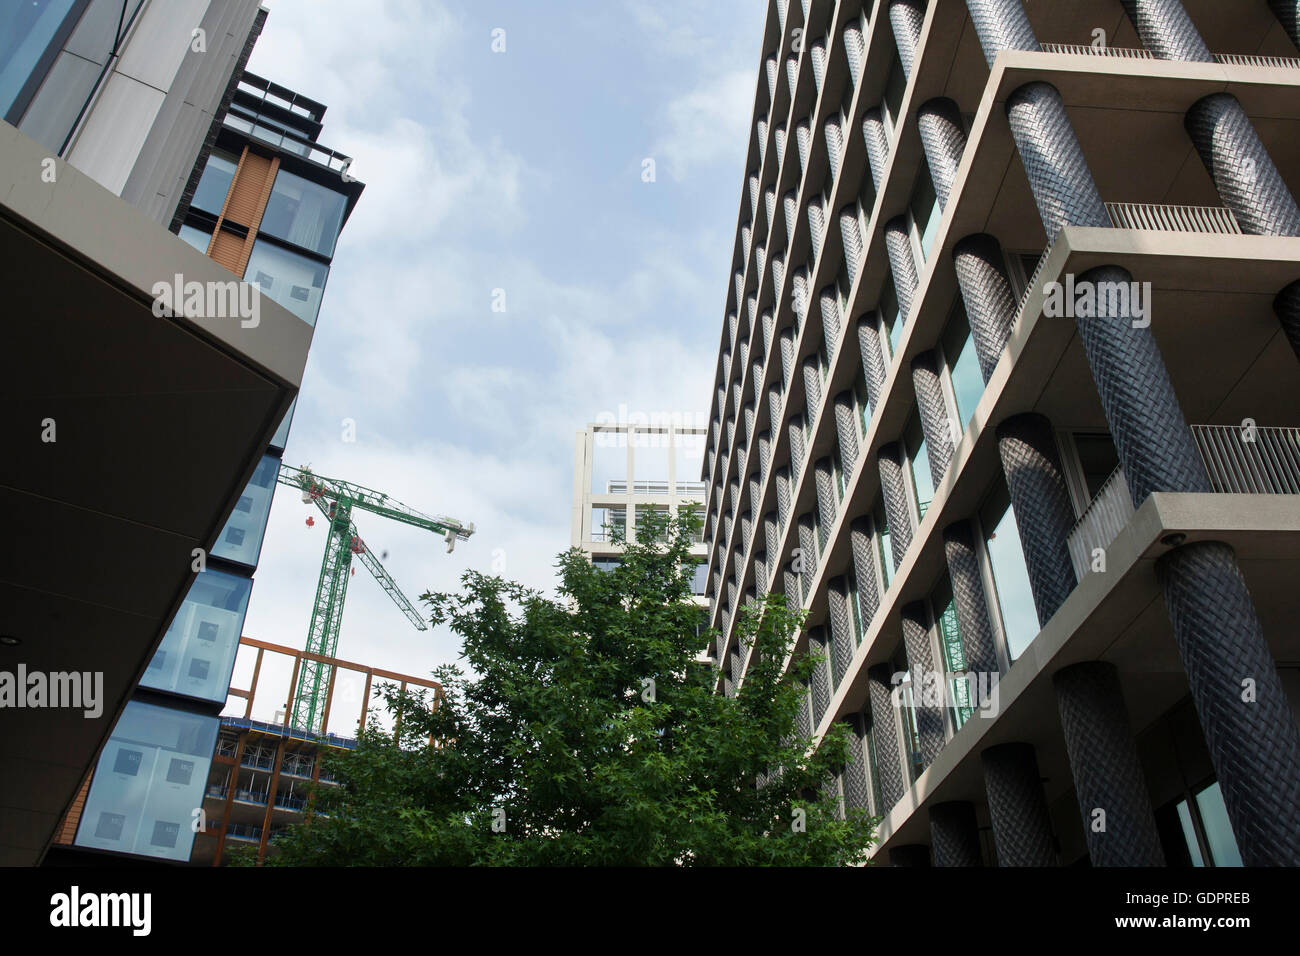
(592, 736)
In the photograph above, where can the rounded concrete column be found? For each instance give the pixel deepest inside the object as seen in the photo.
(846, 430)
(1022, 827)
(954, 834)
(906, 17)
(898, 246)
(1041, 504)
(877, 141)
(1249, 728)
(991, 306)
(894, 491)
(1118, 822)
(922, 670)
(971, 602)
(864, 568)
(884, 736)
(1001, 25)
(1166, 30)
(933, 411)
(874, 367)
(944, 139)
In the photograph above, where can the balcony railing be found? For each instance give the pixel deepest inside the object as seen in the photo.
(1123, 52)
(1250, 460)
(1135, 215)
(1239, 459)
(1105, 517)
(1249, 59)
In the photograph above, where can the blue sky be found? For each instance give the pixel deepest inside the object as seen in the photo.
(519, 171)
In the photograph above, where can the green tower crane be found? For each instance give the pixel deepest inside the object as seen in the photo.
(336, 500)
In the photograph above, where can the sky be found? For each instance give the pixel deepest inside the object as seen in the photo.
(508, 176)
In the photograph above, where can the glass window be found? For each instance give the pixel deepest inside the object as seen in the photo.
(196, 237)
(944, 609)
(281, 436)
(700, 578)
(1099, 459)
(918, 458)
(197, 654)
(886, 549)
(855, 605)
(907, 709)
(963, 365)
(1189, 833)
(292, 280)
(148, 782)
(1010, 575)
(26, 31)
(1218, 831)
(894, 90)
(864, 401)
(889, 316)
(304, 213)
(925, 210)
(214, 184)
(241, 539)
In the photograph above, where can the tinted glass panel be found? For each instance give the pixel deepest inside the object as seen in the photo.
(215, 182)
(304, 213)
(925, 210)
(241, 539)
(27, 29)
(148, 782)
(196, 237)
(292, 280)
(963, 365)
(197, 654)
(1218, 831)
(1019, 617)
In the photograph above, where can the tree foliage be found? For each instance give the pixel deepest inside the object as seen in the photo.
(591, 734)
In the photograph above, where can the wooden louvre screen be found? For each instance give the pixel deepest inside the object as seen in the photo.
(245, 203)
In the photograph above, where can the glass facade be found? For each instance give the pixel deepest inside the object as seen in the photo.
(197, 654)
(918, 458)
(281, 437)
(291, 279)
(218, 174)
(304, 213)
(882, 538)
(26, 31)
(196, 237)
(963, 365)
(925, 210)
(149, 782)
(944, 609)
(895, 89)
(241, 539)
(1015, 599)
(1208, 809)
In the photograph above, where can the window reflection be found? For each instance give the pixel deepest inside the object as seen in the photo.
(210, 196)
(241, 539)
(304, 213)
(292, 280)
(1010, 575)
(197, 653)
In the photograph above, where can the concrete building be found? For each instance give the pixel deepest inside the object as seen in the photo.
(1007, 399)
(141, 480)
(622, 471)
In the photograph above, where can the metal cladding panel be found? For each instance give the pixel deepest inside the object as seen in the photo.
(843, 640)
(821, 677)
(1242, 170)
(787, 357)
(812, 386)
(746, 531)
(764, 454)
(921, 667)
(1255, 748)
(803, 143)
(834, 133)
(991, 307)
(898, 245)
(772, 71)
(906, 17)
(855, 50)
(753, 195)
(756, 376)
(791, 583)
(1041, 503)
(792, 72)
(796, 445)
(1058, 172)
(770, 534)
(894, 492)
(804, 717)
(778, 273)
(1105, 767)
(755, 493)
(816, 222)
(1166, 30)
(857, 790)
(768, 324)
(817, 54)
(973, 619)
(1022, 826)
(851, 233)
(884, 736)
(746, 238)
(799, 292)
(749, 422)
(774, 399)
(783, 494)
(807, 553)
(846, 429)
(769, 205)
(1288, 14)
(760, 131)
(862, 543)
(874, 367)
(942, 136)
(954, 834)
(1146, 422)
(830, 306)
(790, 205)
(1001, 25)
(934, 414)
(877, 142)
(825, 482)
